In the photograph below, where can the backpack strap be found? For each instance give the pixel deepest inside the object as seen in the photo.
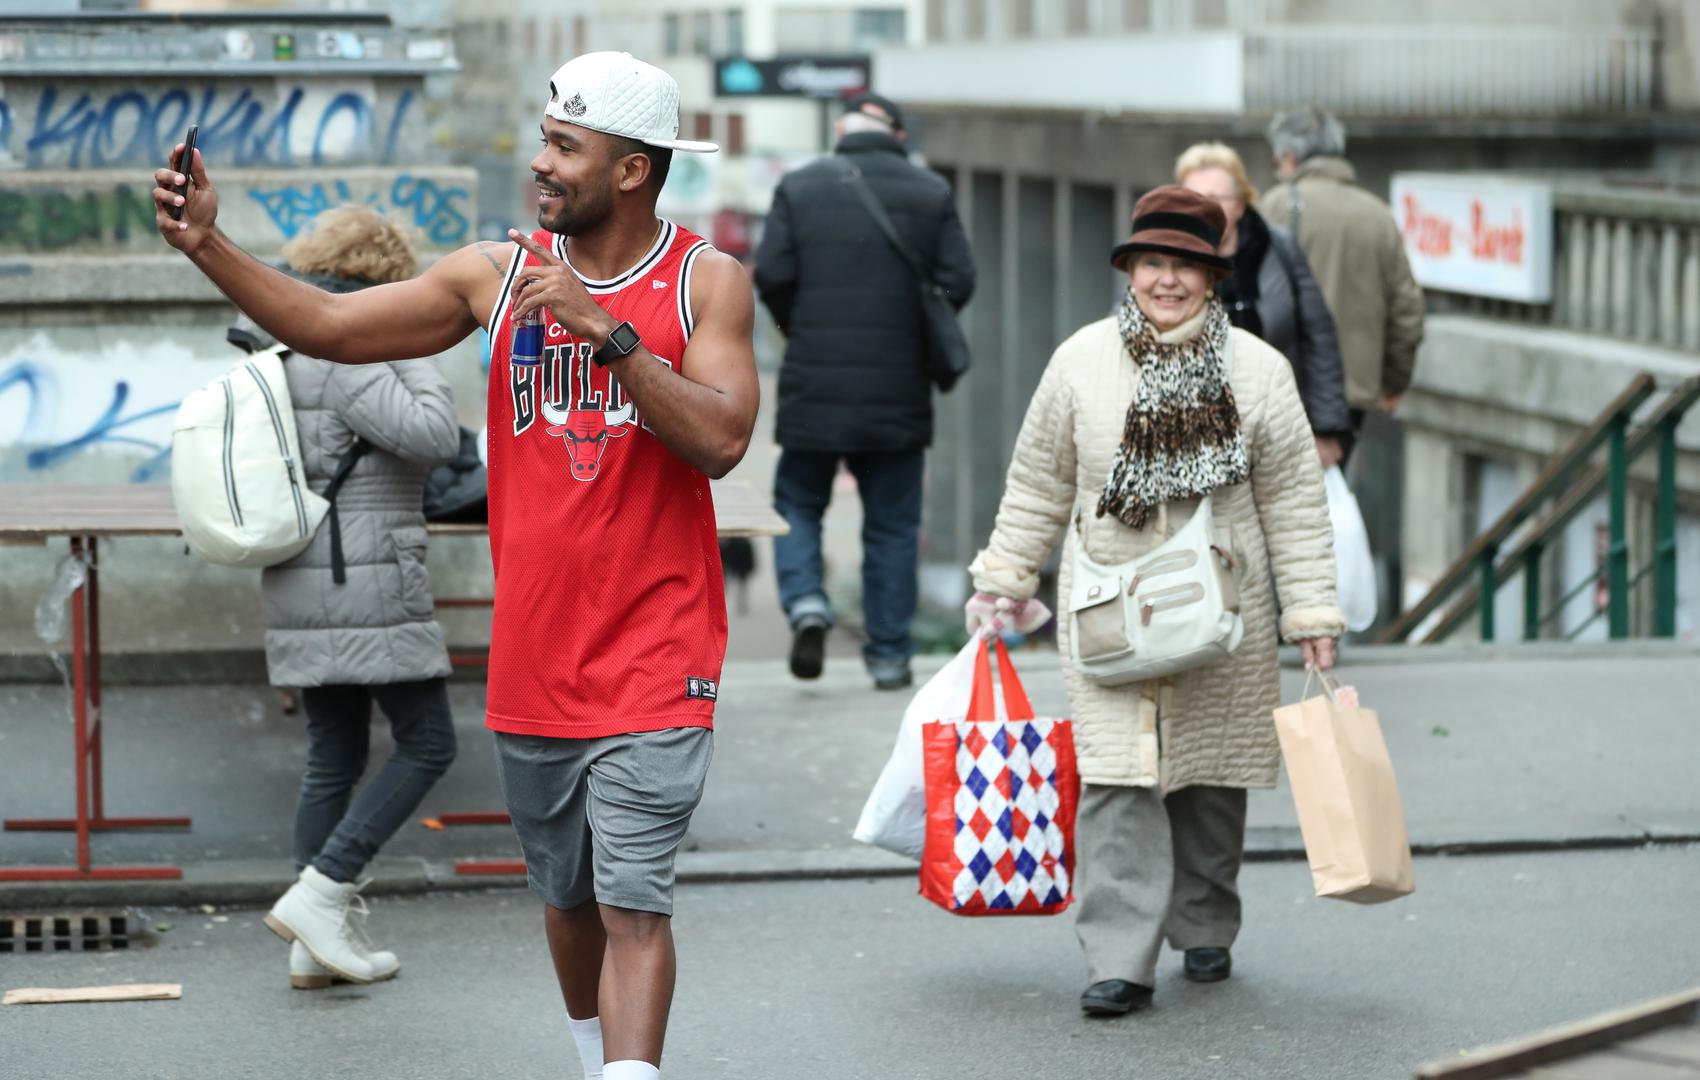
(339, 573)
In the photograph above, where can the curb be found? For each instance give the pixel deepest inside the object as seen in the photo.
(257, 883)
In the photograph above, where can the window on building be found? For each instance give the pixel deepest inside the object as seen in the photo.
(735, 133)
(974, 20)
(702, 33)
(1077, 17)
(938, 20)
(1023, 19)
(702, 127)
(670, 36)
(874, 27)
(735, 32)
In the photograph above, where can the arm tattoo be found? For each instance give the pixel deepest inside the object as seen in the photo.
(484, 250)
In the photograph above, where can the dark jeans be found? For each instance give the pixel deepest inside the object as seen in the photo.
(335, 831)
(890, 485)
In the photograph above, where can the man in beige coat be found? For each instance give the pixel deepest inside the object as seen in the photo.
(1354, 248)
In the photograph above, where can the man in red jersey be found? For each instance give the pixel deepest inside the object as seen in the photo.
(610, 619)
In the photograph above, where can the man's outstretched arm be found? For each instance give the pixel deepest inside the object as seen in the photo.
(420, 317)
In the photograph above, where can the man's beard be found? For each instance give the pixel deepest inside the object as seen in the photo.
(575, 216)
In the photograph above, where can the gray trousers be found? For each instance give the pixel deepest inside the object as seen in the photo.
(1152, 867)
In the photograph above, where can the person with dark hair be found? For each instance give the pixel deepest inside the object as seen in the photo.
(609, 628)
(853, 388)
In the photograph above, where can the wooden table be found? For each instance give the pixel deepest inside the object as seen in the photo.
(1659, 1040)
(86, 513)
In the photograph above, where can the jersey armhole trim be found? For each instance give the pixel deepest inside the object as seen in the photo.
(515, 261)
(687, 316)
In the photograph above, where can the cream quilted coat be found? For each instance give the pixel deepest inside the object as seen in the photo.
(1211, 725)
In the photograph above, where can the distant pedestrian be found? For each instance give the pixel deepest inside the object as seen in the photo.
(369, 638)
(1273, 294)
(1354, 247)
(1136, 419)
(854, 385)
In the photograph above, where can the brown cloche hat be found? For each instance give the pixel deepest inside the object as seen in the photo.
(1177, 221)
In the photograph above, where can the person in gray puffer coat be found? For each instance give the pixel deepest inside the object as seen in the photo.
(1273, 294)
(373, 637)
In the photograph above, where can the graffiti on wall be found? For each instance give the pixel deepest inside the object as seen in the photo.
(440, 213)
(76, 129)
(41, 219)
(53, 414)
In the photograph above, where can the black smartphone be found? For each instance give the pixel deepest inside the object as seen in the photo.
(184, 161)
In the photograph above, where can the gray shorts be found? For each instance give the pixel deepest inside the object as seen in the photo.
(601, 819)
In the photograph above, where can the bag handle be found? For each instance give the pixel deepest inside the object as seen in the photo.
(981, 706)
(1324, 678)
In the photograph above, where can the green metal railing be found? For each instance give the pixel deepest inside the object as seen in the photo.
(1571, 484)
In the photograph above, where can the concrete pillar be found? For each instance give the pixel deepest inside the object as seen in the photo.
(1691, 289)
(1432, 527)
(1009, 353)
(1576, 294)
(1599, 275)
(961, 405)
(1622, 279)
(1062, 226)
(1645, 285)
(1670, 268)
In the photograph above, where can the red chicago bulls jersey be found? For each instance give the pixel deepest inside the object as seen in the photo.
(610, 611)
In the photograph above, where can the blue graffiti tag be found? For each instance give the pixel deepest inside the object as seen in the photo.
(104, 430)
(133, 127)
(428, 206)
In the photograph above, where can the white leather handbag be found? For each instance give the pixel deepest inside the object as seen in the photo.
(1174, 608)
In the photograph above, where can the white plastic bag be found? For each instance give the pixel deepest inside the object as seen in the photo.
(1352, 559)
(895, 817)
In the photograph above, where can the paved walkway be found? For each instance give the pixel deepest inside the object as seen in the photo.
(1516, 750)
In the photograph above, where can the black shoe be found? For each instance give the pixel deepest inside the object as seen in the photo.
(1114, 997)
(808, 647)
(894, 680)
(1208, 965)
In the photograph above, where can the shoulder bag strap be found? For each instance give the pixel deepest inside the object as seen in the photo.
(859, 184)
(339, 572)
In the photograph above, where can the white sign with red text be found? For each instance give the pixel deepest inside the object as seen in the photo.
(1475, 234)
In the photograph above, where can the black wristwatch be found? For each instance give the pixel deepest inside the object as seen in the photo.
(621, 342)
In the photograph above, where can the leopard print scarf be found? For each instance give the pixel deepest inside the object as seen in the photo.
(1182, 437)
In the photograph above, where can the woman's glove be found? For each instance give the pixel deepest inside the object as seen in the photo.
(988, 615)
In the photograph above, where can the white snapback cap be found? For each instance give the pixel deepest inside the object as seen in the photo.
(616, 94)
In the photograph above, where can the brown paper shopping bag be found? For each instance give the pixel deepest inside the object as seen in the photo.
(1347, 798)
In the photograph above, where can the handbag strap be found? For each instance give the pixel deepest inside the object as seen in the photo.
(876, 210)
(981, 706)
(339, 574)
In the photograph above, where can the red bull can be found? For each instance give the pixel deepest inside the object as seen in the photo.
(527, 345)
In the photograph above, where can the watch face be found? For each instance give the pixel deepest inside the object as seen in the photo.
(624, 338)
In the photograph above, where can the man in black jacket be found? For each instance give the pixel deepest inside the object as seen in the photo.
(854, 384)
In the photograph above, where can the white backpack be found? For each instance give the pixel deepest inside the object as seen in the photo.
(236, 472)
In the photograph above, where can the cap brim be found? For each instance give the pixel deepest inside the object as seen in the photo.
(688, 146)
(1118, 257)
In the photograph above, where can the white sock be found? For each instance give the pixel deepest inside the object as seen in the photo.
(588, 1035)
(630, 1070)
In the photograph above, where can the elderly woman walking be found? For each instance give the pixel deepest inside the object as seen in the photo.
(1272, 292)
(1139, 418)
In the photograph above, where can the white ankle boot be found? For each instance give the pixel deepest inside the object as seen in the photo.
(328, 919)
(306, 973)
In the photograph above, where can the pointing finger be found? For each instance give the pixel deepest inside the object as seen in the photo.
(526, 242)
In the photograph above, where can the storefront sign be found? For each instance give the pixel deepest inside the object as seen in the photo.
(1476, 234)
(826, 77)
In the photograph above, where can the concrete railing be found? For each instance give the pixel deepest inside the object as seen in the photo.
(1625, 263)
(1451, 71)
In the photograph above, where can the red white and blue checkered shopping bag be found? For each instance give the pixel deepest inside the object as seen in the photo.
(1001, 800)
